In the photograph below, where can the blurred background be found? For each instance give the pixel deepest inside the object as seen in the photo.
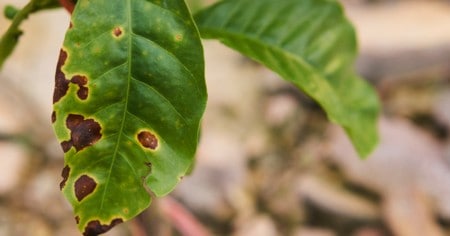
(269, 162)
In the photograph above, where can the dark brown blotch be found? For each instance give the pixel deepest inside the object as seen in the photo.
(61, 83)
(95, 228)
(66, 145)
(84, 186)
(65, 174)
(81, 81)
(53, 117)
(149, 165)
(117, 31)
(77, 219)
(83, 133)
(148, 140)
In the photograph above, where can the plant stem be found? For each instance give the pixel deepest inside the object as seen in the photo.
(69, 5)
(182, 219)
(11, 37)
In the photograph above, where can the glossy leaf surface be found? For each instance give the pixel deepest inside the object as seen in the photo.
(129, 96)
(309, 43)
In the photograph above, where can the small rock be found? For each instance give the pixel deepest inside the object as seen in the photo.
(43, 195)
(406, 158)
(408, 213)
(257, 226)
(441, 108)
(279, 109)
(336, 200)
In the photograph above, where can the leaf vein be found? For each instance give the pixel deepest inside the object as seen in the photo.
(162, 96)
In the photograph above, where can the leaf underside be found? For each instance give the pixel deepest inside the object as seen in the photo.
(307, 42)
(129, 96)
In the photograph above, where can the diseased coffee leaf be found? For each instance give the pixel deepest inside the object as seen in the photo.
(128, 99)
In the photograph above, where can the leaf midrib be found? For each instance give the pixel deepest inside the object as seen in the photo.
(125, 109)
(214, 33)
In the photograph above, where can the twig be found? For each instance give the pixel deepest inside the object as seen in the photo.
(69, 5)
(11, 37)
(181, 219)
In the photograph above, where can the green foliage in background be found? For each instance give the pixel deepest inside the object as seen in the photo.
(309, 43)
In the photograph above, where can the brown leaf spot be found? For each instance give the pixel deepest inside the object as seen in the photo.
(148, 140)
(83, 133)
(66, 145)
(53, 117)
(149, 165)
(95, 228)
(81, 81)
(77, 219)
(84, 186)
(61, 83)
(65, 175)
(83, 93)
(178, 37)
(117, 31)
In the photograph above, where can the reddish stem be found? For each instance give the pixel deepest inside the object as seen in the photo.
(181, 218)
(68, 4)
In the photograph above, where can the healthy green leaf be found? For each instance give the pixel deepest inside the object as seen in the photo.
(128, 100)
(309, 43)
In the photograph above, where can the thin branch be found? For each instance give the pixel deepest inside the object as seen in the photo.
(69, 5)
(181, 218)
(11, 37)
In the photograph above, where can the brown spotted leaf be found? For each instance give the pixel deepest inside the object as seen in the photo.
(128, 99)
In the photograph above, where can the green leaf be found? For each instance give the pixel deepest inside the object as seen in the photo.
(128, 100)
(309, 43)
